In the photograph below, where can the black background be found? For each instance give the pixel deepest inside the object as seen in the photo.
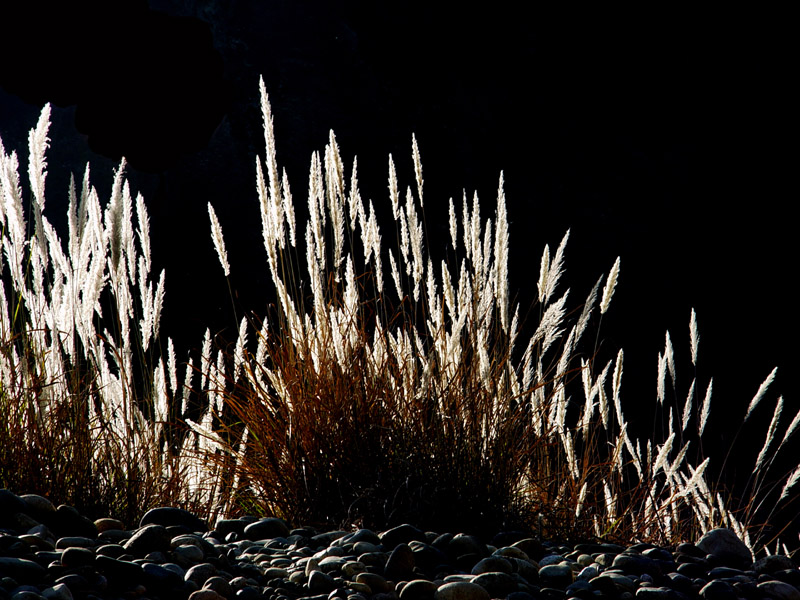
(662, 136)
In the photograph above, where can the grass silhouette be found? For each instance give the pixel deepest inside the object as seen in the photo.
(366, 397)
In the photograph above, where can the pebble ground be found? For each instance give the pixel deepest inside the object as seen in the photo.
(56, 553)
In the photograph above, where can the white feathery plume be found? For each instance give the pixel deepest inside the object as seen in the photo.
(670, 356)
(588, 306)
(205, 361)
(316, 213)
(238, 354)
(773, 426)
(662, 378)
(616, 383)
(548, 330)
(687, 406)
(792, 427)
(219, 242)
(354, 198)
(581, 499)
(466, 224)
(447, 290)
(673, 468)
(396, 276)
(602, 399)
(288, 210)
(157, 304)
(555, 269)
(704, 412)
(543, 271)
(760, 393)
(269, 139)
(335, 187)
(417, 167)
(394, 195)
(143, 233)
(694, 336)
(608, 290)
(453, 225)
(38, 143)
(790, 483)
(663, 453)
(187, 386)
(501, 255)
(172, 366)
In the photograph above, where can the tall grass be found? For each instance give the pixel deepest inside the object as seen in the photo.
(367, 396)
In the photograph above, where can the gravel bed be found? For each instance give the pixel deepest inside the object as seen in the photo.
(56, 553)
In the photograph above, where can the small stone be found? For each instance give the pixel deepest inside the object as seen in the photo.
(189, 552)
(364, 547)
(249, 593)
(206, 595)
(10, 503)
(556, 576)
(463, 544)
(78, 584)
(533, 548)
(266, 529)
(119, 572)
(74, 542)
(23, 570)
(729, 549)
(654, 593)
(352, 568)
(156, 577)
(361, 535)
(499, 585)
(69, 522)
(331, 563)
(402, 534)
(20, 522)
(636, 564)
(779, 590)
(492, 564)
(359, 588)
(461, 590)
(525, 568)
(376, 583)
(226, 526)
(77, 557)
(320, 583)
(169, 516)
(418, 589)
(57, 592)
(108, 524)
(718, 590)
(680, 583)
(613, 584)
(400, 564)
(37, 543)
(427, 557)
(200, 573)
(112, 550)
(327, 538)
(150, 538)
(773, 563)
(511, 552)
(219, 585)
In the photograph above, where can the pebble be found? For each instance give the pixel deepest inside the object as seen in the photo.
(49, 552)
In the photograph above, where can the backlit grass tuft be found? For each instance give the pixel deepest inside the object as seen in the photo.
(385, 385)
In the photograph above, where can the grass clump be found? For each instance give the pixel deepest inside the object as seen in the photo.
(367, 396)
